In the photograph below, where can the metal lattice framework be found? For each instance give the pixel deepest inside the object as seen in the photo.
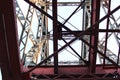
(86, 25)
(39, 40)
(86, 51)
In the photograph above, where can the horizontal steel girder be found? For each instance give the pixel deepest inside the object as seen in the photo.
(74, 72)
(74, 69)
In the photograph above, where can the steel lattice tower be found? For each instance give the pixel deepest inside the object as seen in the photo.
(54, 39)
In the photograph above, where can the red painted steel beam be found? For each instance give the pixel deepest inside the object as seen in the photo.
(55, 35)
(73, 70)
(9, 53)
(89, 32)
(109, 30)
(106, 36)
(65, 33)
(4, 62)
(85, 76)
(95, 4)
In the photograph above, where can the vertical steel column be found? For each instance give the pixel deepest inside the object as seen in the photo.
(106, 36)
(95, 5)
(8, 42)
(55, 38)
(4, 62)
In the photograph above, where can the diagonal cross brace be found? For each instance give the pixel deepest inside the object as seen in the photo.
(51, 17)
